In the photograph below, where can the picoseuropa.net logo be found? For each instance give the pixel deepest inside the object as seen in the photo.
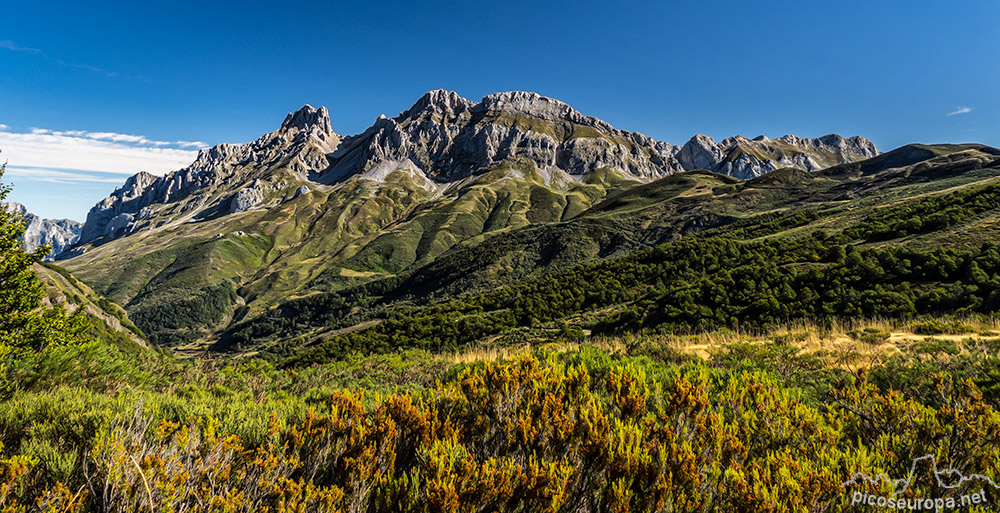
(945, 489)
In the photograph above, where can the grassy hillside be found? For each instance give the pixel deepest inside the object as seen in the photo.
(186, 280)
(897, 241)
(109, 323)
(359, 249)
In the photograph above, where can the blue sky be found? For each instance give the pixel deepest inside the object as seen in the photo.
(91, 93)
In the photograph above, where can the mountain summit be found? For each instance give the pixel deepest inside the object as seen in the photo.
(226, 178)
(445, 137)
(308, 118)
(745, 158)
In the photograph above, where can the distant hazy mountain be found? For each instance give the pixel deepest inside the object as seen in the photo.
(745, 158)
(58, 233)
(303, 209)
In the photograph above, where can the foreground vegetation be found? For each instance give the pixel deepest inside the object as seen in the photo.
(760, 425)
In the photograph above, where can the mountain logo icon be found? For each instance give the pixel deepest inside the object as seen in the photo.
(954, 489)
(948, 478)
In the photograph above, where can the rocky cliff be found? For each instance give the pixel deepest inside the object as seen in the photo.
(447, 138)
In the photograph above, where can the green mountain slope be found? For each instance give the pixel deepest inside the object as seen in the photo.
(182, 282)
(892, 241)
(109, 321)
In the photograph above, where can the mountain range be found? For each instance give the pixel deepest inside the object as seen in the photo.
(448, 199)
(441, 144)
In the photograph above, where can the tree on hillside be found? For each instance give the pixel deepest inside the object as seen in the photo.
(25, 325)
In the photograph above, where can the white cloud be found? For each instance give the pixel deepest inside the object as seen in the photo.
(191, 144)
(3, 126)
(88, 67)
(960, 110)
(103, 152)
(115, 137)
(60, 176)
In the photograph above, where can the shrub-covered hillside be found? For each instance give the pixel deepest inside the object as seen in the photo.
(759, 426)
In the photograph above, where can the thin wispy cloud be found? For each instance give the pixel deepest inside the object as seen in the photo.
(10, 45)
(88, 67)
(97, 152)
(960, 110)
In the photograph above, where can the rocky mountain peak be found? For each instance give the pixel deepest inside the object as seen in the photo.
(308, 117)
(749, 158)
(15, 208)
(700, 152)
(832, 139)
(442, 139)
(137, 184)
(300, 145)
(834, 142)
(531, 104)
(439, 101)
(736, 140)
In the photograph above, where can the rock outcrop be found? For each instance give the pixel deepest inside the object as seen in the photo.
(245, 199)
(700, 152)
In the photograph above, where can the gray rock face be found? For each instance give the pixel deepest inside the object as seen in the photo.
(308, 118)
(128, 199)
(700, 152)
(245, 199)
(448, 137)
(749, 158)
(301, 145)
(58, 233)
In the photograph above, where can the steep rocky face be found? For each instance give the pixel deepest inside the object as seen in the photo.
(58, 233)
(700, 152)
(745, 158)
(446, 138)
(224, 178)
